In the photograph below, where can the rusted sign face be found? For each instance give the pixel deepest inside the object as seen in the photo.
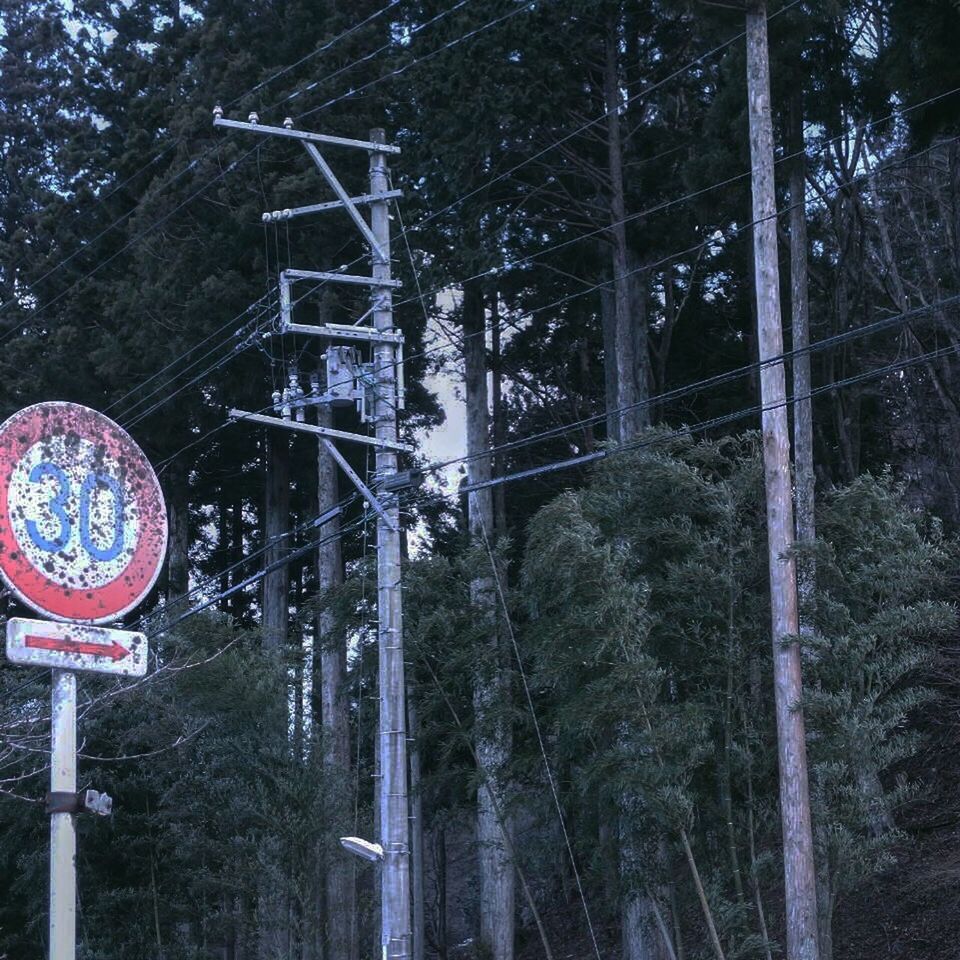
(83, 526)
(72, 646)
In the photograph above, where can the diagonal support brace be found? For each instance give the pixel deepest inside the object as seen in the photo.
(380, 255)
(358, 483)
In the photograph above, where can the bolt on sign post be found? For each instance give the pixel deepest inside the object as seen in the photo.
(83, 535)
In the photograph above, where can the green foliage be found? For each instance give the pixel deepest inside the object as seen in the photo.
(213, 808)
(650, 630)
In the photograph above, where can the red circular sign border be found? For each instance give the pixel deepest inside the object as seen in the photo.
(118, 597)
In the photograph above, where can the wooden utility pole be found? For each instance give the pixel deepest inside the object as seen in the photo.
(798, 863)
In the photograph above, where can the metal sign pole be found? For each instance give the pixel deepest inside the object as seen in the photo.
(63, 832)
(83, 533)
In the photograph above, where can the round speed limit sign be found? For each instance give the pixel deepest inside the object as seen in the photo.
(83, 526)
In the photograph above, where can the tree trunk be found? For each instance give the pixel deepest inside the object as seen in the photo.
(641, 936)
(236, 555)
(825, 902)
(275, 525)
(416, 828)
(223, 549)
(639, 297)
(626, 416)
(799, 874)
(499, 416)
(178, 559)
(330, 653)
(273, 941)
(491, 692)
(805, 479)
(440, 843)
(608, 319)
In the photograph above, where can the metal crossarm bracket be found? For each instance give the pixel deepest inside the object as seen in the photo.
(85, 801)
(318, 431)
(337, 278)
(340, 331)
(289, 276)
(289, 212)
(266, 130)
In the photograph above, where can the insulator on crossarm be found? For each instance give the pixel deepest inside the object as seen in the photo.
(218, 112)
(288, 123)
(253, 118)
(276, 399)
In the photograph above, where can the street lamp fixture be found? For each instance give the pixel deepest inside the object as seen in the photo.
(362, 848)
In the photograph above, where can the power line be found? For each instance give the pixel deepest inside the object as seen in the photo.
(722, 420)
(133, 240)
(817, 346)
(558, 302)
(459, 341)
(186, 353)
(222, 173)
(667, 204)
(330, 43)
(311, 524)
(590, 123)
(369, 56)
(428, 56)
(193, 163)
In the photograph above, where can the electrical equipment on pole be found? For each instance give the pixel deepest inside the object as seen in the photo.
(376, 388)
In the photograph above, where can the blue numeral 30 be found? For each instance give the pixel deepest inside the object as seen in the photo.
(58, 508)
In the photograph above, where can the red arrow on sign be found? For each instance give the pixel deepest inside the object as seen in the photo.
(113, 650)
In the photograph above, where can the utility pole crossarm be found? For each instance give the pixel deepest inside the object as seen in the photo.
(288, 212)
(338, 278)
(267, 130)
(393, 445)
(341, 331)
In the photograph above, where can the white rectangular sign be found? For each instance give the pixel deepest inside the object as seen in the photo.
(70, 646)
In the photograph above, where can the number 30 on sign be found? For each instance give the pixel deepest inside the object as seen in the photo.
(83, 527)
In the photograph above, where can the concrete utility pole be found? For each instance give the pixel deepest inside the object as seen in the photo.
(394, 808)
(798, 863)
(377, 390)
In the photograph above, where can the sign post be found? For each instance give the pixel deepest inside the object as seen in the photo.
(63, 830)
(83, 534)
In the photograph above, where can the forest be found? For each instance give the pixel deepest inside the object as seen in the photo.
(591, 708)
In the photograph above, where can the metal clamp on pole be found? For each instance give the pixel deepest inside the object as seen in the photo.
(86, 801)
(60, 802)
